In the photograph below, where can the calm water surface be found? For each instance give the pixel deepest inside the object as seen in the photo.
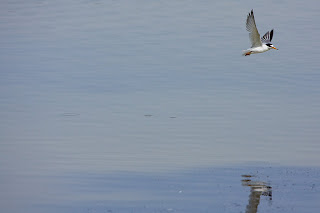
(148, 106)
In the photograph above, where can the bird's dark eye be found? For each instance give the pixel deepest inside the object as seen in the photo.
(269, 45)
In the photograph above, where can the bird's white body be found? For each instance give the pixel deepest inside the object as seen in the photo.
(259, 45)
(259, 49)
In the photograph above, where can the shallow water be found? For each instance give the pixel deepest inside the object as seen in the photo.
(98, 94)
(232, 189)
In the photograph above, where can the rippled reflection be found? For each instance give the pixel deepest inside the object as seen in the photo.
(258, 188)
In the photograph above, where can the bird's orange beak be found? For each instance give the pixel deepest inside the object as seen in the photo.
(275, 48)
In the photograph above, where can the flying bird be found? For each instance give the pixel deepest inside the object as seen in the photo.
(259, 45)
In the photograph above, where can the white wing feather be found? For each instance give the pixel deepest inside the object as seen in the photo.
(253, 31)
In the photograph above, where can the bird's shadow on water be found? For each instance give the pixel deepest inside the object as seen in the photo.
(257, 189)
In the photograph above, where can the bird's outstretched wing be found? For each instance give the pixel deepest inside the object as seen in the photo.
(253, 31)
(267, 37)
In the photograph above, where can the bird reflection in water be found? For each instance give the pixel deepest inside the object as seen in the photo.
(258, 189)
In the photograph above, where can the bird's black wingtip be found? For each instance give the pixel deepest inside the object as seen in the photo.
(250, 13)
(271, 35)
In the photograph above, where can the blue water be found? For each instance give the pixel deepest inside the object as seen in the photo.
(117, 88)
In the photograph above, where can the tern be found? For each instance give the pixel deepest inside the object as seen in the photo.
(258, 45)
